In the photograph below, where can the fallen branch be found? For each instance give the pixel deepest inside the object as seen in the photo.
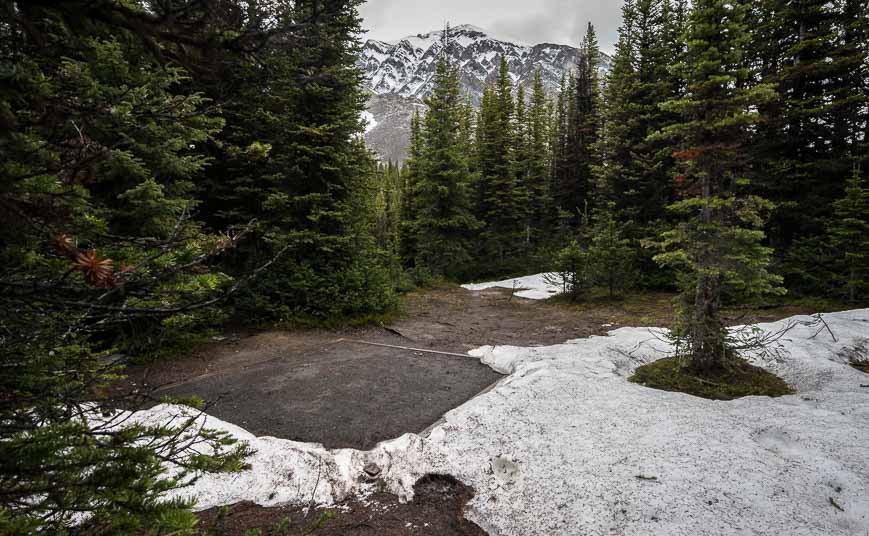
(402, 348)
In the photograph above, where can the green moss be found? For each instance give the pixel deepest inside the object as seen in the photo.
(737, 380)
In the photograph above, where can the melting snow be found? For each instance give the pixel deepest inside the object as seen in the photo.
(534, 287)
(566, 445)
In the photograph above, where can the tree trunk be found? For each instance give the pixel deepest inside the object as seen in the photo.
(706, 333)
(852, 284)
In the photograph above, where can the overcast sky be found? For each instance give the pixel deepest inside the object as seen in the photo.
(528, 21)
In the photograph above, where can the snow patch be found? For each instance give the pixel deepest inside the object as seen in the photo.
(533, 287)
(566, 445)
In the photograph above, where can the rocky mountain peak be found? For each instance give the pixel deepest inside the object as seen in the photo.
(400, 74)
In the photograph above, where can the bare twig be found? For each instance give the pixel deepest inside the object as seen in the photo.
(820, 318)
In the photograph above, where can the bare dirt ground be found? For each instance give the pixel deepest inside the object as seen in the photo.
(328, 387)
(436, 510)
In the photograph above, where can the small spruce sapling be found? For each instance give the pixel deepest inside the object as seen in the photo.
(849, 238)
(611, 257)
(572, 271)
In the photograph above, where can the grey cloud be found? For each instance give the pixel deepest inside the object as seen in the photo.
(554, 21)
(564, 21)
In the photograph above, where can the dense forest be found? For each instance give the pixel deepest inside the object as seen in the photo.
(167, 166)
(724, 156)
(526, 175)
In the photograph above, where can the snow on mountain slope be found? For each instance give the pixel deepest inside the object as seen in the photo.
(406, 67)
(402, 73)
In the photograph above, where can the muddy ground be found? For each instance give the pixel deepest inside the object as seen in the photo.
(437, 509)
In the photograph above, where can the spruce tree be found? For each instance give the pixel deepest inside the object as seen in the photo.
(610, 253)
(293, 160)
(102, 147)
(562, 149)
(443, 221)
(503, 196)
(411, 175)
(488, 153)
(572, 271)
(637, 171)
(537, 182)
(583, 125)
(717, 245)
(851, 94)
(387, 214)
(619, 118)
(521, 162)
(812, 131)
(849, 238)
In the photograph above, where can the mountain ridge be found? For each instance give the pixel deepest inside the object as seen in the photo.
(400, 74)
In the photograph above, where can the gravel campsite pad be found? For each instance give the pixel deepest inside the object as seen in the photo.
(326, 387)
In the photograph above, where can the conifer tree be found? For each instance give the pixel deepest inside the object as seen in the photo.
(467, 130)
(540, 197)
(293, 160)
(611, 256)
(561, 157)
(487, 152)
(572, 271)
(521, 163)
(582, 124)
(850, 113)
(503, 198)
(637, 170)
(520, 138)
(717, 244)
(811, 132)
(675, 25)
(412, 169)
(102, 147)
(443, 222)
(849, 238)
(388, 204)
(618, 116)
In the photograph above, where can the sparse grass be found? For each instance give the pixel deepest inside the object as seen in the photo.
(737, 380)
(359, 320)
(637, 309)
(656, 309)
(166, 349)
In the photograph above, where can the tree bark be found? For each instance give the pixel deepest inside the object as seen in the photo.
(706, 332)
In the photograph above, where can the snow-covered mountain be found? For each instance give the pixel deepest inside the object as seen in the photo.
(400, 74)
(407, 67)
